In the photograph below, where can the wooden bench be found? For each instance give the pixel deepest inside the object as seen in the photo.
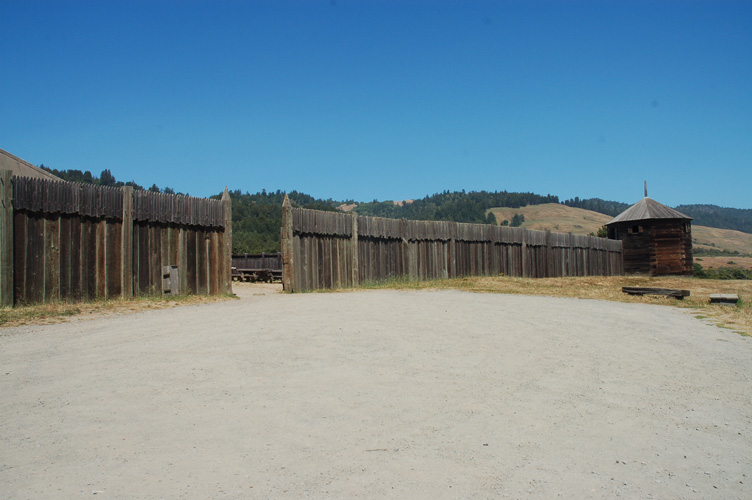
(669, 292)
(724, 298)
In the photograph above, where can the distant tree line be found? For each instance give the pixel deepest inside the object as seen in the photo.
(612, 208)
(105, 179)
(720, 217)
(457, 206)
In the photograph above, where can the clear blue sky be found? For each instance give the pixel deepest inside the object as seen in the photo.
(387, 99)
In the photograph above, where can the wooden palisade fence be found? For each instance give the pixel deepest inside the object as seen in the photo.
(333, 250)
(63, 241)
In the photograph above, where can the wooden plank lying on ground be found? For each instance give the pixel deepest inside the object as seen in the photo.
(670, 292)
(724, 298)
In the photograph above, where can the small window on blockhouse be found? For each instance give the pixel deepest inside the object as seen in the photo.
(635, 229)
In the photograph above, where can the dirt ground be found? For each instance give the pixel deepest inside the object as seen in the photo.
(377, 394)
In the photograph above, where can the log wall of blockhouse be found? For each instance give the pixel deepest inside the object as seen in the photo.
(656, 247)
(322, 251)
(68, 243)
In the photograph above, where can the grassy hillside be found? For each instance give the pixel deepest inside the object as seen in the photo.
(565, 219)
(556, 217)
(712, 238)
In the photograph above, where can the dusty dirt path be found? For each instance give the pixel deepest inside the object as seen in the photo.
(377, 394)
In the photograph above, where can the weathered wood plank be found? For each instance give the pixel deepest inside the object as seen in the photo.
(35, 259)
(89, 258)
(6, 239)
(113, 259)
(142, 264)
(191, 258)
(155, 253)
(101, 264)
(51, 259)
(65, 256)
(201, 271)
(76, 292)
(671, 292)
(20, 241)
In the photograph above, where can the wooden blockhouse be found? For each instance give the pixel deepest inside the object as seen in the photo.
(656, 239)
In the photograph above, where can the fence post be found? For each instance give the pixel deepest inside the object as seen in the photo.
(6, 238)
(452, 249)
(550, 269)
(288, 261)
(226, 266)
(126, 246)
(523, 252)
(354, 246)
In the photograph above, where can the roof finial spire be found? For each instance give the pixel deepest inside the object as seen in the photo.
(646, 189)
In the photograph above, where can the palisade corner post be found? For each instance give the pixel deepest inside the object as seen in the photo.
(6, 239)
(126, 252)
(288, 261)
(226, 265)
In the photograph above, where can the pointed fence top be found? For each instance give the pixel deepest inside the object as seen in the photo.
(225, 195)
(286, 203)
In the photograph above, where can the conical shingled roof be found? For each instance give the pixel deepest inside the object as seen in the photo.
(647, 208)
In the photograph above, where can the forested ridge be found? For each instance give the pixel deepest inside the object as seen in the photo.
(257, 218)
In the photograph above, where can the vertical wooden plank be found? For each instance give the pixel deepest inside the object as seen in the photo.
(76, 292)
(201, 275)
(288, 255)
(135, 252)
(89, 251)
(354, 252)
(190, 254)
(101, 265)
(19, 258)
(52, 258)
(297, 249)
(164, 247)
(6, 239)
(550, 270)
(113, 258)
(215, 258)
(182, 261)
(65, 256)
(155, 254)
(226, 257)
(126, 244)
(34, 259)
(143, 259)
(174, 244)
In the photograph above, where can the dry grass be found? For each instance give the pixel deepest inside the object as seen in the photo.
(725, 261)
(556, 217)
(41, 314)
(737, 318)
(712, 238)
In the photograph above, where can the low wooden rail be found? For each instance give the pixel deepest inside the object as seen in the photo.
(333, 250)
(69, 241)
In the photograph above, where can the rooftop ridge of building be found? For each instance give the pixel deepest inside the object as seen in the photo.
(648, 209)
